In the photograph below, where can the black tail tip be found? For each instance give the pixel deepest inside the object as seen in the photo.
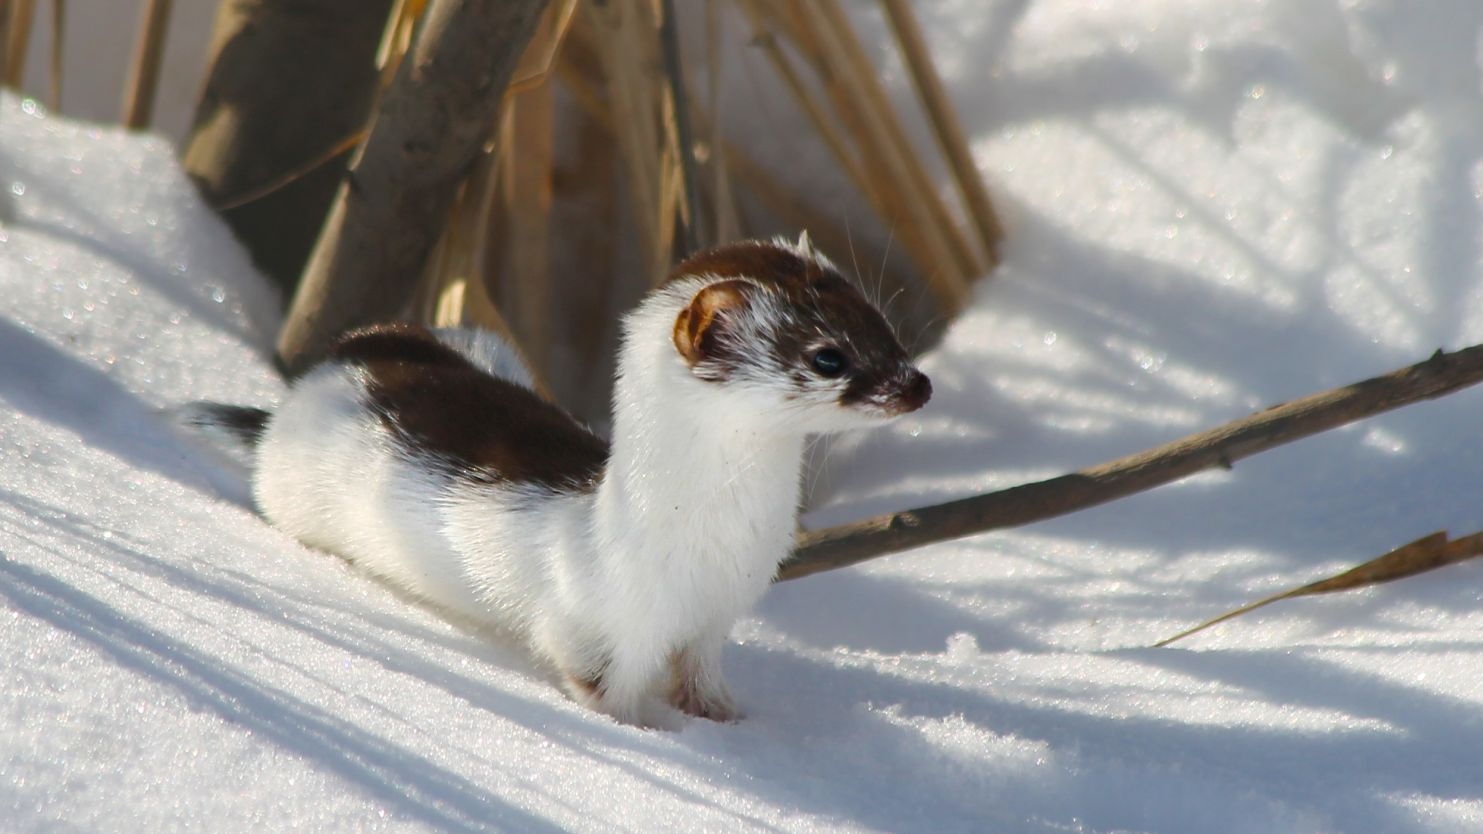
(244, 423)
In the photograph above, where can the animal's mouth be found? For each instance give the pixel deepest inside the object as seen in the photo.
(902, 394)
(910, 392)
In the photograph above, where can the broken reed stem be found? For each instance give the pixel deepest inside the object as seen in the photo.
(766, 39)
(58, 38)
(684, 139)
(430, 124)
(945, 126)
(867, 79)
(144, 74)
(5, 23)
(526, 185)
(907, 202)
(848, 544)
(539, 57)
(18, 41)
(1426, 553)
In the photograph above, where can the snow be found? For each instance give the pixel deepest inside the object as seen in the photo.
(1211, 207)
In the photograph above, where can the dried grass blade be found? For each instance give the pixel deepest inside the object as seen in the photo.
(527, 196)
(867, 79)
(58, 40)
(5, 25)
(907, 201)
(144, 74)
(945, 126)
(1425, 554)
(540, 55)
(18, 42)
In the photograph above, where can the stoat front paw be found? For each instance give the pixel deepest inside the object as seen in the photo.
(714, 705)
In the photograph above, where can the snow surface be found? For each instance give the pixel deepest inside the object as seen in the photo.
(1212, 207)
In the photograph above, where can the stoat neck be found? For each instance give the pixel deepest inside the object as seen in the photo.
(690, 472)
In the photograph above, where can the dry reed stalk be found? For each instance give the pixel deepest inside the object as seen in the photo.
(867, 172)
(864, 73)
(5, 22)
(725, 216)
(144, 74)
(431, 123)
(673, 197)
(1222, 446)
(453, 291)
(910, 208)
(18, 42)
(766, 39)
(525, 180)
(946, 127)
(623, 36)
(678, 129)
(1425, 554)
(397, 39)
(540, 56)
(58, 40)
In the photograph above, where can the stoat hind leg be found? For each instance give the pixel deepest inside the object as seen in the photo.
(696, 685)
(623, 688)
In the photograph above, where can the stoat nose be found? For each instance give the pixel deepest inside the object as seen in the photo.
(913, 391)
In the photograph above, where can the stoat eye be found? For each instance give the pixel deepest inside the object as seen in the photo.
(829, 362)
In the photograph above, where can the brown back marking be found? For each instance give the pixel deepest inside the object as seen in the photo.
(438, 403)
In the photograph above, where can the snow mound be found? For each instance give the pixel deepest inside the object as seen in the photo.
(1211, 207)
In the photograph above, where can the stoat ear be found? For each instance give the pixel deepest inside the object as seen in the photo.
(696, 325)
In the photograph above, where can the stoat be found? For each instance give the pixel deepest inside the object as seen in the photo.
(424, 457)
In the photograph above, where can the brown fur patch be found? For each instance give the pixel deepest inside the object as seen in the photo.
(439, 403)
(694, 336)
(823, 307)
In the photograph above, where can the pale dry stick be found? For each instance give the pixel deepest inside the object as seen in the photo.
(870, 177)
(431, 123)
(22, 12)
(848, 544)
(290, 176)
(5, 23)
(671, 207)
(1425, 554)
(396, 39)
(725, 216)
(403, 16)
(764, 38)
(867, 77)
(909, 208)
(144, 73)
(677, 122)
(833, 28)
(623, 36)
(527, 160)
(945, 126)
(540, 56)
(58, 39)
(454, 285)
(786, 203)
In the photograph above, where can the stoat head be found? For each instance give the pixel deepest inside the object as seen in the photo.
(775, 325)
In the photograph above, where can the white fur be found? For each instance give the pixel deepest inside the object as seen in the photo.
(641, 578)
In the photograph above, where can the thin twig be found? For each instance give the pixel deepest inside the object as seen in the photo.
(1426, 553)
(848, 544)
(944, 121)
(19, 41)
(144, 75)
(431, 123)
(58, 40)
(669, 48)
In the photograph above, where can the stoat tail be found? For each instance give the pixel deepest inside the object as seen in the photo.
(237, 427)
